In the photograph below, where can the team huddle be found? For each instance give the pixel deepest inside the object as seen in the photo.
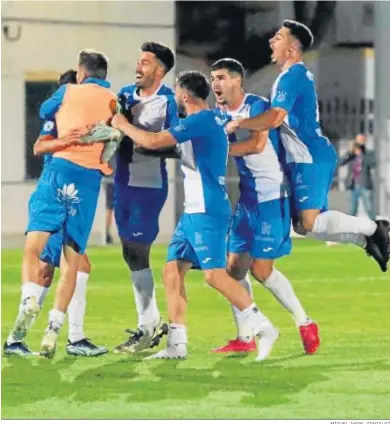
(285, 165)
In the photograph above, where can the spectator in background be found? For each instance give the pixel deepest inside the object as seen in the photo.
(360, 163)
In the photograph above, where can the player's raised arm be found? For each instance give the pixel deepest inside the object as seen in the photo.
(149, 140)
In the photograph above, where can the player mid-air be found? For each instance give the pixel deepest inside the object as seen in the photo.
(260, 231)
(311, 158)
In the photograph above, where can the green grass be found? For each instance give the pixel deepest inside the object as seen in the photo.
(349, 378)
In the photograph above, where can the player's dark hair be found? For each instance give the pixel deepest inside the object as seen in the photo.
(163, 53)
(94, 63)
(68, 77)
(301, 32)
(195, 82)
(231, 65)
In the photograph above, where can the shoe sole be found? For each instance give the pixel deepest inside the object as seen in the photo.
(81, 353)
(160, 331)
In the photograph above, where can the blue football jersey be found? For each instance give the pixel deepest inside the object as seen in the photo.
(153, 113)
(261, 174)
(294, 90)
(204, 147)
(49, 128)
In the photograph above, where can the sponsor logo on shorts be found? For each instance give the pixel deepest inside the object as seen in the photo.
(268, 249)
(137, 234)
(206, 260)
(266, 228)
(302, 199)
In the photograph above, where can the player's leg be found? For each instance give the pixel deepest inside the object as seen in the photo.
(310, 185)
(173, 277)
(81, 203)
(31, 291)
(137, 213)
(78, 343)
(45, 216)
(64, 293)
(212, 260)
(270, 227)
(238, 265)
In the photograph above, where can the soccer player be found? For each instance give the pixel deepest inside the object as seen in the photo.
(67, 192)
(311, 158)
(199, 240)
(141, 187)
(78, 344)
(260, 231)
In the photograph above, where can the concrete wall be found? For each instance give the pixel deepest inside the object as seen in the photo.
(51, 35)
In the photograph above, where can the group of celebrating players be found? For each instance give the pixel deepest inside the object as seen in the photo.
(285, 165)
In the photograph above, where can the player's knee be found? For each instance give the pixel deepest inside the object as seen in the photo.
(213, 276)
(261, 271)
(85, 264)
(299, 229)
(236, 271)
(31, 251)
(46, 273)
(237, 267)
(136, 256)
(171, 276)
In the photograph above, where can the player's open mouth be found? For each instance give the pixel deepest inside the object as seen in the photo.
(217, 93)
(138, 76)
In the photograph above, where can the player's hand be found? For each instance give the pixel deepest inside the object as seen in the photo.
(119, 121)
(232, 126)
(73, 137)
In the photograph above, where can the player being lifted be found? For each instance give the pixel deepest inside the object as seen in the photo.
(311, 158)
(199, 240)
(67, 192)
(260, 230)
(78, 345)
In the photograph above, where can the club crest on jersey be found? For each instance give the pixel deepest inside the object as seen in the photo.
(220, 121)
(266, 228)
(49, 125)
(281, 96)
(179, 127)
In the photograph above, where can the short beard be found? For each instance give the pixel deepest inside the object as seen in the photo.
(181, 111)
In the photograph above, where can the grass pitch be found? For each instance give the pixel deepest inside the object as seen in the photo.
(349, 377)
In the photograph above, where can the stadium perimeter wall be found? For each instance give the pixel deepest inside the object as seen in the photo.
(51, 35)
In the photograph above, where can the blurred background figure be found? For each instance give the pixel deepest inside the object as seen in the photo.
(109, 183)
(359, 180)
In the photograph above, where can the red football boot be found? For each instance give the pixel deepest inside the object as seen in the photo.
(310, 337)
(236, 346)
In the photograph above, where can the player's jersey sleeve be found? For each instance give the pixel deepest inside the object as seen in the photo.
(49, 128)
(171, 116)
(258, 107)
(287, 91)
(50, 106)
(188, 128)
